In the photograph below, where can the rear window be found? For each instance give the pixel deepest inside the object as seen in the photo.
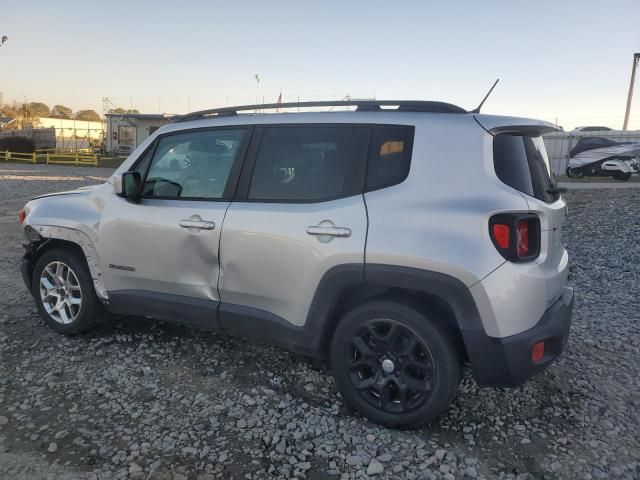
(522, 163)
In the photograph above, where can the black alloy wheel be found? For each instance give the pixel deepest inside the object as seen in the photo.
(390, 366)
(396, 365)
(575, 172)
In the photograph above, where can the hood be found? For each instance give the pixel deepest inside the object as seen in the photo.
(77, 191)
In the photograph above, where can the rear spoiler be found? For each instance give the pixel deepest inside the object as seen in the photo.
(494, 124)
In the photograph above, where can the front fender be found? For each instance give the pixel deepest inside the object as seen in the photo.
(73, 217)
(79, 210)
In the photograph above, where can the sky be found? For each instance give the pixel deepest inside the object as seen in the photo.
(564, 60)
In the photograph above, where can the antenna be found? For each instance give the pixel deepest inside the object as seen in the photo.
(477, 109)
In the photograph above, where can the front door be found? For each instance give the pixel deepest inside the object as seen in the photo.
(160, 257)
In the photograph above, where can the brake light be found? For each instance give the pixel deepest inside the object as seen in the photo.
(22, 215)
(501, 235)
(516, 236)
(523, 238)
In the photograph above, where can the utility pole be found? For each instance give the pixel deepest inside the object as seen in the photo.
(257, 77)
(25, 119)
(636, 59)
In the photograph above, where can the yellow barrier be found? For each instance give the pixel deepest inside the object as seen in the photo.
(71, 159)
(84, 159)
(22, 157)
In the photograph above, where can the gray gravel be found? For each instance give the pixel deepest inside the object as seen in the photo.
(591, 185)
(147, 400)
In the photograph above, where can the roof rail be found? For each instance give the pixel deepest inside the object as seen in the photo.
(361, 105)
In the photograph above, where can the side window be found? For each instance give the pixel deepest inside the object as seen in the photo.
(541, 176)
(193, 164)
(510, 162)
(389, 156)
(522, 163)
(310, 163)
(143, 163)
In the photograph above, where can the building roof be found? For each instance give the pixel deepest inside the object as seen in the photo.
(6, 120)
(149, 116)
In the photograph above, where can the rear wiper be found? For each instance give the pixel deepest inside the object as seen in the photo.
(556, 190)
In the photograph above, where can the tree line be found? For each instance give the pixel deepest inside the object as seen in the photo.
(39, 109)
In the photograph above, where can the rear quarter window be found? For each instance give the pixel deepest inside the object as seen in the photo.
(389, 155)
(522, 163)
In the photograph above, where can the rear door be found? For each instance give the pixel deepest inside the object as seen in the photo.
(161, 255)
(299, 212)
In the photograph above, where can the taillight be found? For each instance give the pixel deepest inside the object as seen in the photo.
(516, 236)
(22, 215)
(501, 235)
(522, 230)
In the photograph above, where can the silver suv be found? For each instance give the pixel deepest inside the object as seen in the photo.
(398, 243)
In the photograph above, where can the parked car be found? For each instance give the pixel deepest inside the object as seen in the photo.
(602, 157)
(591, 129)
(398, 244)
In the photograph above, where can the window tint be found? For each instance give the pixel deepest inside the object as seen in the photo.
(510, 162)
(522, 163)
(389, 156)
(143, 163)
(541, 177)
(193, 164)
(311, 163)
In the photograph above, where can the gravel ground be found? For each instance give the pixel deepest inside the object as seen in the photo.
(591, 185)
(147, 400)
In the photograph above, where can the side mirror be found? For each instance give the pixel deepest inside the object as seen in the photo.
(129, 186)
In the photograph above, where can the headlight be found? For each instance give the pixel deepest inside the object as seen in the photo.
(23, 213)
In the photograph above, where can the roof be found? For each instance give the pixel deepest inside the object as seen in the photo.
(148, 116)
(6, 120)
(493, 124)
(384, 117)
(361, 105)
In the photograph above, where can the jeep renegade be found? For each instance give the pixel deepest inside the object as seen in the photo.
(398, 240)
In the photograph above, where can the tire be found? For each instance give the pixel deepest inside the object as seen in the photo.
(386, 377)
(575, 172)
(622, 177)
(73, 318)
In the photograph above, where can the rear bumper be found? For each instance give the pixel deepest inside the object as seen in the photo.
(506, 362)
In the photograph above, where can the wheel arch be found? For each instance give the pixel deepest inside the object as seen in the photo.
(347, 286)
(67, 239)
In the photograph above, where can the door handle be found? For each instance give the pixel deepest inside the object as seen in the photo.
(198, 224)
(329, 231)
